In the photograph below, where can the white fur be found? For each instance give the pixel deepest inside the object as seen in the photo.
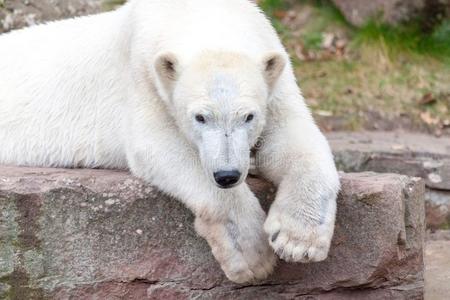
(86, 92)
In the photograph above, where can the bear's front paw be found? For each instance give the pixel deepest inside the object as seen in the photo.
(241, 249)
(298, 239)
(240, 268)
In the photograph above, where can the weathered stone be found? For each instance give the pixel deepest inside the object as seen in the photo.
(96, 234)
(437, 209)
(358, 12)
(418, 155)
(410, 154)
(16, 14)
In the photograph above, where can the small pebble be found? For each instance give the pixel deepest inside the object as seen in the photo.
(434, 178)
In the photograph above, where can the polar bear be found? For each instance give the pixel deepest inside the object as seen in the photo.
(178, 92)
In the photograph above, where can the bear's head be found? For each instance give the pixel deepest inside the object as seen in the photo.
(219, 101)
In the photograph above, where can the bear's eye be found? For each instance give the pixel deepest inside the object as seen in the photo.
(200, 119)
(250, 117)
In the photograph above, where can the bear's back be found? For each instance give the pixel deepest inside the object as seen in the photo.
(191, 26)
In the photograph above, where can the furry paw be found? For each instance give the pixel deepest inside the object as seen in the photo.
(241, 248)
(298, 240)
(241, 267)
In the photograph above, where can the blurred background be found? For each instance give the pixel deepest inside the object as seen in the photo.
(362, 64)
(370, 64)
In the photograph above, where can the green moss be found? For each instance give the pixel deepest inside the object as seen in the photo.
(33, 262)
(19, 251)
(9, 231)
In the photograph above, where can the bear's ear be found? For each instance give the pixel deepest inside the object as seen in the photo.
(166, 67)
(273, 64)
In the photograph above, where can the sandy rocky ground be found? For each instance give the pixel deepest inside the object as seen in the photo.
(437, 261)
(20, 13)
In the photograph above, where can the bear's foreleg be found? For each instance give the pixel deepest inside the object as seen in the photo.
(239, 242)
(297, 158)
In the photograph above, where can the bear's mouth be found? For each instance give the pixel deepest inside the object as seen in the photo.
(227, 187)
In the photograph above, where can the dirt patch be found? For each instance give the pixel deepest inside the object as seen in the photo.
(437, 270)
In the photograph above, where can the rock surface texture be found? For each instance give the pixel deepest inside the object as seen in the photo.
(15, 14)
(416, 155)
(95, 234)
(358, 12)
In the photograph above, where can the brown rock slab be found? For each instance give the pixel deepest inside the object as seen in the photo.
(98, 234)
(410, 154)
(417, 155)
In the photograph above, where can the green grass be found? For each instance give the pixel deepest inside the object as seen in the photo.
(408, 38)
(270, 6)
(312, 40)
(386, 70)
(328, 11)
(350, 88)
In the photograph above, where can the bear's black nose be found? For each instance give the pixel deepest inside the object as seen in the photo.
(226, 179)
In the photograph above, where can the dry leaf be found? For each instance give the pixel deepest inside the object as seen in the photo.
(327, 40)
(280, 14)
(341, 43)
(427, 118)
(428, 98)
(324, 113)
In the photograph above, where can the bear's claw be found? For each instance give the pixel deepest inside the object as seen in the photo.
(294, 240)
